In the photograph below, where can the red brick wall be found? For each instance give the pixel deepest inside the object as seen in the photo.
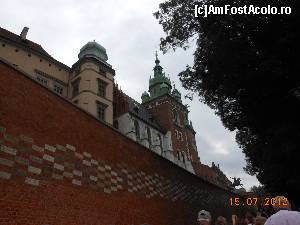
(38, 182)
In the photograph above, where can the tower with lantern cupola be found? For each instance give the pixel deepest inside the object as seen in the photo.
(165, 104)
(91, 83)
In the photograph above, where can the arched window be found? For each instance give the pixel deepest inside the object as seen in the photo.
(149, 135)
(137, 128)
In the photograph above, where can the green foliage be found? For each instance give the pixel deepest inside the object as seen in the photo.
(246, 69)
(258, 191)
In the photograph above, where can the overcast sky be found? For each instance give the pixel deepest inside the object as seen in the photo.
(130, 34)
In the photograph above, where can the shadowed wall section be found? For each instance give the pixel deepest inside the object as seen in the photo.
(60, 165)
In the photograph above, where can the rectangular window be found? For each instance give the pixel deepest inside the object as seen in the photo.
(102, 88)
(101, 108)
(58, 89)
(42, 80)
(75, 90)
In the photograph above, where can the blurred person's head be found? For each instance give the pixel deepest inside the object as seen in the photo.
(221, 221)
(204, 217)
(260, 220)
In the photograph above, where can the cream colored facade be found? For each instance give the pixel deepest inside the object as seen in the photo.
(31, 63)
(88, 76)
(59, 77)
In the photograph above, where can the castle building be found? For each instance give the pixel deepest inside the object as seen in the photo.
(160, 122)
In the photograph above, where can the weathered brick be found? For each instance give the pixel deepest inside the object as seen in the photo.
(67, 174)
(5, 175)
(61, 148)
(77, 173)
(94, 162)
(57, 176)
(85, 162)
(50, 148)
(6, 162)
(2, 129)
(34, 170)
(20, 172)
(52, 119)
(58, 166)
(48, 158)
(37, 148)
(8, 150)
(70, 147)
(76, 182)
(86, 154)
(22, 160)
(11, 139)
(93, 178)
(78, 155)
(36, 159)
(26, 138)
(69, 165)
(32, 181)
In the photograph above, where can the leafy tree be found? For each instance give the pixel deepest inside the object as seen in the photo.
(246, 69)
(258, 190)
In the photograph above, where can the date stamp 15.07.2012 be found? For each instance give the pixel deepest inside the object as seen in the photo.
(253, 201)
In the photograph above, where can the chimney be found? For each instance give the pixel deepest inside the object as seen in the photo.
(24, 33)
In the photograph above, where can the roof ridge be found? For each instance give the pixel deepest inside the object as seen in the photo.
(16, 39)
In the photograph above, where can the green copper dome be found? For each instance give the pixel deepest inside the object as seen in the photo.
(93, 49)
(145, 94)
(145, 97)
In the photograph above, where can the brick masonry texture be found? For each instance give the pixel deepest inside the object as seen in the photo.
(59, 165)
